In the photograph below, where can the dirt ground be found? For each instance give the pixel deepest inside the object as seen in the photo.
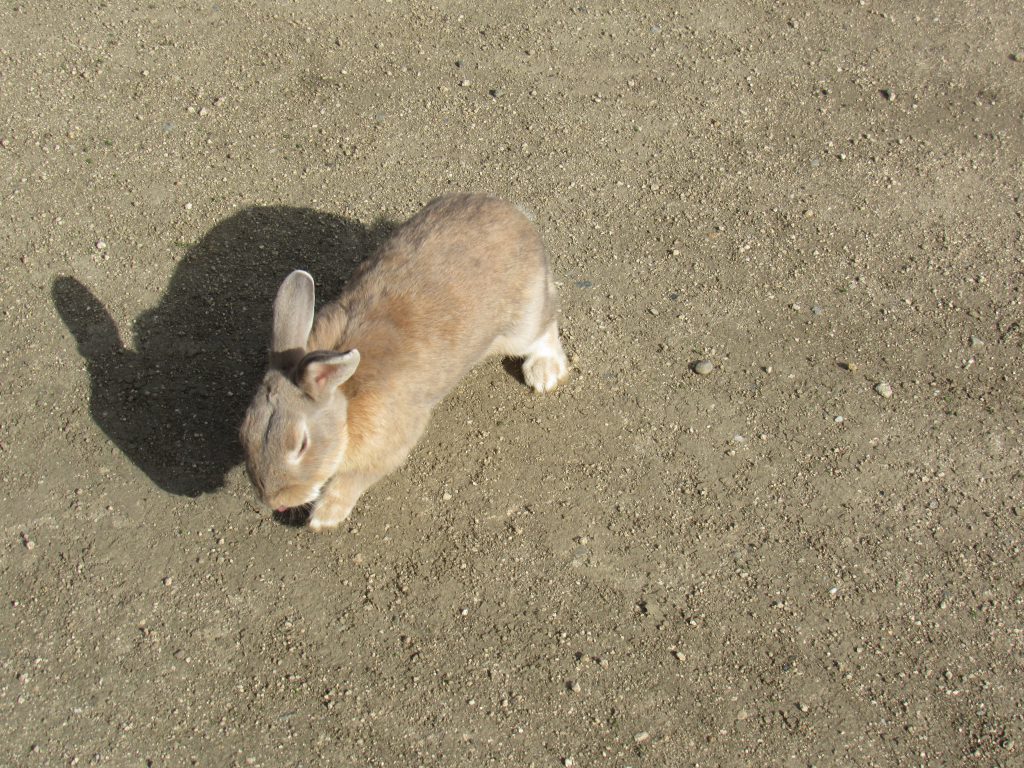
(772, 564)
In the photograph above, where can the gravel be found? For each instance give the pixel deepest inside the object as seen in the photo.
(703, 367)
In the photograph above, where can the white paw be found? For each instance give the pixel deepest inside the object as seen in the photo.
(545, 372)
(324, 518)
(319, 524)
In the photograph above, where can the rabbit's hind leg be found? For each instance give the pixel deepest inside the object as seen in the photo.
(546, 366)
(535, 339)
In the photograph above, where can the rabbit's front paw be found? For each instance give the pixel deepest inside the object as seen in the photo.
(327, 515)
(338, 498)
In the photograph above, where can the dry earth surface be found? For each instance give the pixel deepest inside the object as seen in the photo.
(770, 564)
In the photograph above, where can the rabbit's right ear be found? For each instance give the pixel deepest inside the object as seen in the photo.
(320, 373)
(293, 318)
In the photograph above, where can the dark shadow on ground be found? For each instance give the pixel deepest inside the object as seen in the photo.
(297, 517)
(514, 367)
(174, 402)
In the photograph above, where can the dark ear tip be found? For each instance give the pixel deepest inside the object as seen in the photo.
(305, 359)
(320, 368)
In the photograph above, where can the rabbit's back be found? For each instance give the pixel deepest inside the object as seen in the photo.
(461, 273)
(462, 260)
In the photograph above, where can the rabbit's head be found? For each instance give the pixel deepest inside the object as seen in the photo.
(294, 433)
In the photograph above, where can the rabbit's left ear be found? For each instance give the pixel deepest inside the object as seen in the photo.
(318, 374)
(293, 318)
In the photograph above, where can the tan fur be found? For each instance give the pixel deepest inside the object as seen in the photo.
(464, 278)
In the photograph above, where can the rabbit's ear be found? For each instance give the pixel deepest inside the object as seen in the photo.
(320, 373)
(293, 317)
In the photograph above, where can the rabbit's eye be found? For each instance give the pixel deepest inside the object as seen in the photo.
(298, 450)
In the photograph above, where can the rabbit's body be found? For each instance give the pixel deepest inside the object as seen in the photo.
(464, 278)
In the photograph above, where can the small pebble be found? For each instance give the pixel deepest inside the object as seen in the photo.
(574, 686)
(803, 707)
(168, 580)
(839, 419)
(703, 367)
(641, 737)
(465, 83)
(101, 245)
(816, 310)
(883, 389)
(446, 496)
(889, 94)
(976, 342)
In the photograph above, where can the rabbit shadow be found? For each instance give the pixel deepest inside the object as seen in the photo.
(173, 400)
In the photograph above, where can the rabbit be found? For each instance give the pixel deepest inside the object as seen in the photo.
(349, 392)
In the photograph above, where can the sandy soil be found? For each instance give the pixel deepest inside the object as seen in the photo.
(772, 564)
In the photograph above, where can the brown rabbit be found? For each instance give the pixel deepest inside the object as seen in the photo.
(348, 394)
